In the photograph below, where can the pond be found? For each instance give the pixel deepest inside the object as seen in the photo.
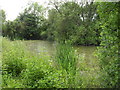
(37, 46)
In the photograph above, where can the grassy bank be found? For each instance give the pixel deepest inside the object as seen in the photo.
(23, 69)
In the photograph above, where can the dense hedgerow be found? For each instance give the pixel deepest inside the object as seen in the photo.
(109, 47)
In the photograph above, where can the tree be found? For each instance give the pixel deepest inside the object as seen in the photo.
(10, 30)
(2, 12)
(3, 19)
(88, 31)
(67, 21)
(52, 21)
(75, 23)
(108, 50)
(32, 21)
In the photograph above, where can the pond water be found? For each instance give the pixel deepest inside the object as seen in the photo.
(37, 46)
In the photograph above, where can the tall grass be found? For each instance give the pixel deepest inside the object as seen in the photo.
(81, 73)
(67, 59)
(21, 69)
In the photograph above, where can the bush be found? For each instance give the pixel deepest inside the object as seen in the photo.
(13, 57)
(108, 51)
(36, 69)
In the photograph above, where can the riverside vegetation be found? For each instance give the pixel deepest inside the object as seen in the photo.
(23, 69)
(68, 24)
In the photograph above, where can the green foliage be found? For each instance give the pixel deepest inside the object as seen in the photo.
(30, 24)
(74, 23)
(10, 30)
(66, 57)
(32, 21)
(56, 79)
(88, 32)
(52, 21)
(22, 69)
(67, 22)
(36, 70)
(13, 57)
(2, 21)
(108, 52)
(3, 15)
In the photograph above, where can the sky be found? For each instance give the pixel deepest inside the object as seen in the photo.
(14, 7)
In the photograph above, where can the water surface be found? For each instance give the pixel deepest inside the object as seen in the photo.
(38, 46)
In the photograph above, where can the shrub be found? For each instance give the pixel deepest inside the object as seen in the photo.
(108, 51)
(13, 57)
(36, 69)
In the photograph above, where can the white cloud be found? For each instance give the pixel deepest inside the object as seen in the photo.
(14, 7)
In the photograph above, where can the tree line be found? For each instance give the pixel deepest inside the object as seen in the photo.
(71, 22)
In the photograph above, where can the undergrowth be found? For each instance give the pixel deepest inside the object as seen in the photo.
(23, 69)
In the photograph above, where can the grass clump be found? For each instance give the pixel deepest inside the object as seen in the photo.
(67, 59)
